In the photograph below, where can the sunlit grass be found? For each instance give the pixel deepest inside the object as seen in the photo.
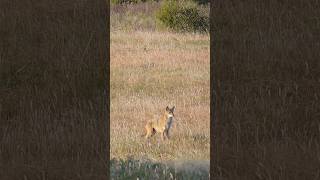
(150, 70)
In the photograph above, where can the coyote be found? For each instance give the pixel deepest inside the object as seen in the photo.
(162, 125)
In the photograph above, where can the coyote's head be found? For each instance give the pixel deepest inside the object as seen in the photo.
(169, 112)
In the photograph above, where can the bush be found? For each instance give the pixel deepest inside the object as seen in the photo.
(182, 16)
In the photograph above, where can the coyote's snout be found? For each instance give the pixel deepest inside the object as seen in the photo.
(161, 125)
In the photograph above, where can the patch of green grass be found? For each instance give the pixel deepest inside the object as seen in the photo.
(146, 169)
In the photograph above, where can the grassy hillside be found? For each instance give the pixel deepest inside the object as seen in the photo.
(150, 71)
(152, 68)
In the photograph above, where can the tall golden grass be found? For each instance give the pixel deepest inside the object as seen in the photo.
(52, 89)
(266, 80)
(152, 68)
(149, 71)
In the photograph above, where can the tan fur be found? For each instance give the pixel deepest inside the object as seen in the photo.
(161, 126)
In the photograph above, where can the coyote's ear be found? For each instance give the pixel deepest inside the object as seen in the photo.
(167, 109)
(173, 108)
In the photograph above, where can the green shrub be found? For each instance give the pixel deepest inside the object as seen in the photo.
(182, 16)
(145, 169)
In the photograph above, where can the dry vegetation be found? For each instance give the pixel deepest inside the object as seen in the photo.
(52, 58)
(266, 76)
(133, 17)
(151, 69)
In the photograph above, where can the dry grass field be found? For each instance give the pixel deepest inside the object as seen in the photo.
(52, 90)
(266, 82)
(266, 75)
(149, 70)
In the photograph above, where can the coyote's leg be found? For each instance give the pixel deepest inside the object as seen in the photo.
(167, 134)
(163, 135)
(149, 130)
